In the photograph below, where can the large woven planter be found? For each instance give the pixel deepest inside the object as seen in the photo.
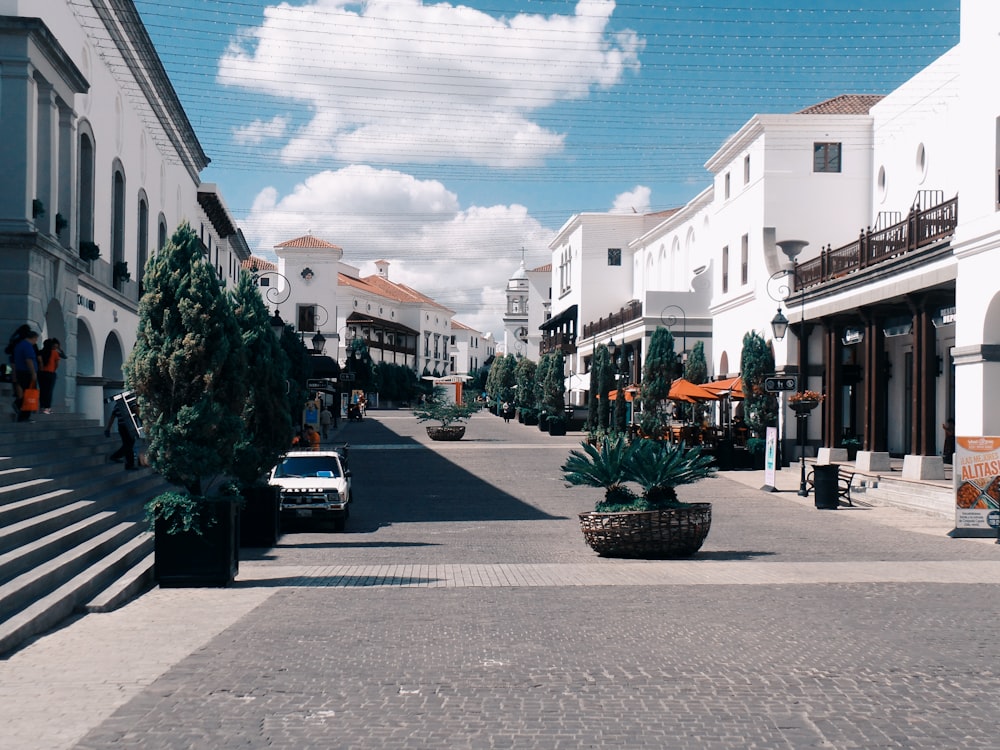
(648, 535)
(451, 432)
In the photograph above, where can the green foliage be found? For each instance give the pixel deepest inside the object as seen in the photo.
(299, 370)
(538, 386)
(267, 419)
(657, 375)
(500, 382)
(605, 381)
(604, 466)
(396, 382)
(554, 388)
(89, 250)
(188, 368)
(524, 379)
(658, 467)
(760, 409)
(439, 408)
(179, 512)
(696, 371)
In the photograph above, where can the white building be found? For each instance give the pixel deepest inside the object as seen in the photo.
(529, 298)
(469, 349)
(98, 156)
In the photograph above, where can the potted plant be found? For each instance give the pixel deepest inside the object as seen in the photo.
(756, 448)
(438, 408)
(805, 401)
(267, 422)
(89, 250)
(655, 524)
(188, 371)
(554, 390)
(538, 391)
(121, 273)
(853, 445)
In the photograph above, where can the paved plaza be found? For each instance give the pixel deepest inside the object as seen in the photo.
(462, 609)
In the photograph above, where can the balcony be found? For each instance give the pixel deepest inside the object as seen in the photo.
(557, 341)
(922, 228)
(631, 311)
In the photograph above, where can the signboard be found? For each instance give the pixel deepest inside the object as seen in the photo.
(770, 455)
(783, 383)
(977, 483)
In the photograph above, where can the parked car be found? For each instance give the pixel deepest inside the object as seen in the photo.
(314, 485)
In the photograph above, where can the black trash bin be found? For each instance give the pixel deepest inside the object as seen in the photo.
(825, 488)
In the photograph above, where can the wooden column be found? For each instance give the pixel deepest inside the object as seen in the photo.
(832, 381)
(876, 385)
(924, 382)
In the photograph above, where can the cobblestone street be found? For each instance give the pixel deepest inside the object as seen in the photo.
(462, 609)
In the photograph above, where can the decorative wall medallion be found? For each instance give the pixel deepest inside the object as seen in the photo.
(307, 274)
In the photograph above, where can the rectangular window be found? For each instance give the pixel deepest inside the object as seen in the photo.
(307, 318)
(725, 269)
(614, 256)
(826, 157)
(745, 259)
(726, 183)
(746, 169)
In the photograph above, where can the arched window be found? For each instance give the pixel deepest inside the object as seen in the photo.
(161, 233)
(117, 213)
(142, 238)
(85, 189)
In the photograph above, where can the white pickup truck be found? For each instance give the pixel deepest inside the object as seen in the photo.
(314, 485)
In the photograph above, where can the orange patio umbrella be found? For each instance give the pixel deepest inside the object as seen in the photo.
(732, 387)
(629, 391)
(685, 390)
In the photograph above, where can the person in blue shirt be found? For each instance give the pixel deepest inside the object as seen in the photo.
(25, 371)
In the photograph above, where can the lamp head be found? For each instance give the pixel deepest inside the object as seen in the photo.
(779, 325)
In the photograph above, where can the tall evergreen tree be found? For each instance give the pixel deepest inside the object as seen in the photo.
(524, 379)
(593, 402)
(760, 409)
(538, 386)
(555, 386)
(188, 367)
(267, 423)
(696, 370)
(605, 382)
(657, 375)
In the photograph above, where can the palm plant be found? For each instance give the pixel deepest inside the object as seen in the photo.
(659, 467)
(605, 466)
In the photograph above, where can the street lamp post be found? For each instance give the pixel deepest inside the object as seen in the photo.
(779, 326)
(670, 321)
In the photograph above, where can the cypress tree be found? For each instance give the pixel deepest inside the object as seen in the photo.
(657, 375)
(538, 386)
(555, 386)
(188, 368)
(267, 423)
(605, 381)
(524, 378)
(760, 409)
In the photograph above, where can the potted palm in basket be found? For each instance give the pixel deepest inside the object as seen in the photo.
(655, 523)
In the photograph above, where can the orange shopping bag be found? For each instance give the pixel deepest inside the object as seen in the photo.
(30, 400)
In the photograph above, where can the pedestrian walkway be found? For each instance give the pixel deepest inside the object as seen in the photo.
(462, 609)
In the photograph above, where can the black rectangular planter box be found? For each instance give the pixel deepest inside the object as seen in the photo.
(260, 517)
(209, 559)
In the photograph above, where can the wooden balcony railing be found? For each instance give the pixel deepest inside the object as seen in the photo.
(919, 229)
(631, 311)
(557, 341)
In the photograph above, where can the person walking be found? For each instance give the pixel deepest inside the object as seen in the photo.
(506, 411)
(49, 359)
(325, 420)
(310, 437)
(126, 452)
(25, 372)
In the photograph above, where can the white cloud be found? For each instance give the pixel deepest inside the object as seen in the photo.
(461, 257)
(635, 201)
(402, 81)
(259, 131)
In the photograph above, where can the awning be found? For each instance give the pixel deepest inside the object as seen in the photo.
(685, 390)
(576, 382)
(732, 387)
(557, 321)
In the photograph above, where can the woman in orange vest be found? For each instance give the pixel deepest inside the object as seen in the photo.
(49, 359)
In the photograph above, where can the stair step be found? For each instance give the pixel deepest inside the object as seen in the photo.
(138, 579)
(48, 610)
(18, 593)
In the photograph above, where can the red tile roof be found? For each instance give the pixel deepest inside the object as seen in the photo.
(308, 241)
(547, 268)
(845, 104)
(256, 263)
(462, 327)
(389, 289)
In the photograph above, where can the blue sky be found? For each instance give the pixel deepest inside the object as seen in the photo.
(445, 138)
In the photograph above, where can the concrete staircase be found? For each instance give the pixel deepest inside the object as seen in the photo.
(72, 533)
(932, 498)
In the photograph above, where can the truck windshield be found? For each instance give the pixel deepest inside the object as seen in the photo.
(309, 466)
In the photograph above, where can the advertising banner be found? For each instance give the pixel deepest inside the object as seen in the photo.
(977, 484)
(770, 455)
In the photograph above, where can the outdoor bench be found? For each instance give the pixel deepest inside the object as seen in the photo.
(845, 478)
